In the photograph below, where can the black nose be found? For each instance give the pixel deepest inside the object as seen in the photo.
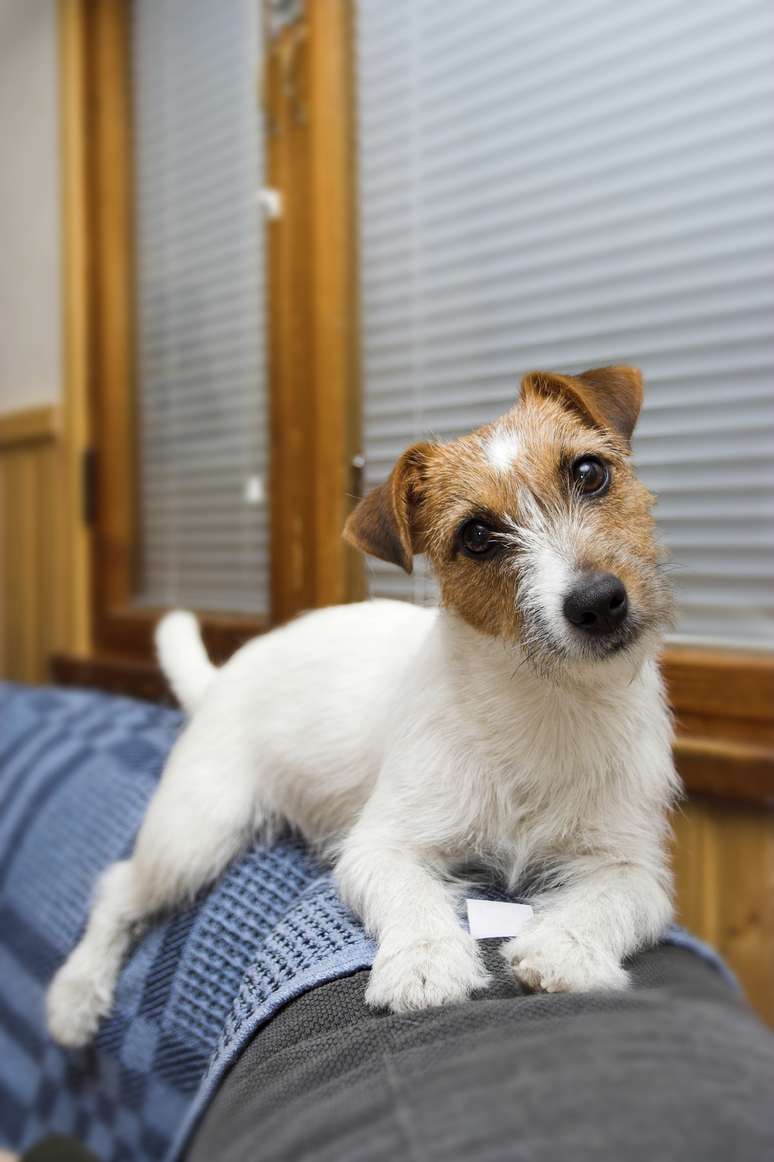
(597, 603)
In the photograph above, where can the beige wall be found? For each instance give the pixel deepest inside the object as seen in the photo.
(30, 338)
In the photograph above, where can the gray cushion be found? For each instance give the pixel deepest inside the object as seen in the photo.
(678, 1068)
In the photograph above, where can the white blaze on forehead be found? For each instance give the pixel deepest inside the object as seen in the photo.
(501, 450)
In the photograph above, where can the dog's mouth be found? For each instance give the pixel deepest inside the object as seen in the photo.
(549, 649)
(613, 643)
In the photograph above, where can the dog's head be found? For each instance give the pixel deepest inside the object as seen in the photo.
(536, 525)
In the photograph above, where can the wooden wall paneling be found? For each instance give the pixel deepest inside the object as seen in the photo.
(694, 864)
(744, 890)
(50, 551)
(9, 480)
(28, 426)
(29, 552)
(29, 508)
(724, 870)
(4, 574)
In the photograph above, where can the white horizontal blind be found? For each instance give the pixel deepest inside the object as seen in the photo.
(567, 185)
(200, 291)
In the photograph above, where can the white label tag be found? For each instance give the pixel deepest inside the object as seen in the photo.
(494, 918)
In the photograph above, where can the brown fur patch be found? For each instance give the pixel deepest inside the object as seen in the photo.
(384, 522)
(606, 397)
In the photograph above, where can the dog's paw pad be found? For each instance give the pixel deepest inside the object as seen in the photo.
(425, 975)
(548, 957)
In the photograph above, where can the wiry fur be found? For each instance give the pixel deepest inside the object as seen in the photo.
(406, 743)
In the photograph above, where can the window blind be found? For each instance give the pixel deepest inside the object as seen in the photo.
(568, 185)
(200, 302)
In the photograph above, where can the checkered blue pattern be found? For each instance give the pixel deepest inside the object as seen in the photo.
(76, 771)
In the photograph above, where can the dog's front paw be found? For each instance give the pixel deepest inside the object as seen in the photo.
(75, 1002)
(425, 974)
(548, 956)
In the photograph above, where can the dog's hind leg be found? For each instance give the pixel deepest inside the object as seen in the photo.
(202, 814)
(82, 991)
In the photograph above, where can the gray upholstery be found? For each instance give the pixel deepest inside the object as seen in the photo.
(678, 1068)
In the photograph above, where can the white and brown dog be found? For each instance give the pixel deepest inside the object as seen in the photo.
(521, 726)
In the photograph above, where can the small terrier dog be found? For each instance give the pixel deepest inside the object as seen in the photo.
(521, 726)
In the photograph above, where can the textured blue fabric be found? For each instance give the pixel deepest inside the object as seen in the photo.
(76, 771)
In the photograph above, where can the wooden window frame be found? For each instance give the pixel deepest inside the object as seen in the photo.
(723, 703)
(312, 351)
(723, 699)
(313, 324)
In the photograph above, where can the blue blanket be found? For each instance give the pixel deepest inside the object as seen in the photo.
(76, 771)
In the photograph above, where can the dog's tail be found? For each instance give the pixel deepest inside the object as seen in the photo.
(183, 658)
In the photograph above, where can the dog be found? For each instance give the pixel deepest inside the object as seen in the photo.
(520, 726)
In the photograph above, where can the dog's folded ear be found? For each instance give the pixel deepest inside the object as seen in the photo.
(384, 522)
(606, 397)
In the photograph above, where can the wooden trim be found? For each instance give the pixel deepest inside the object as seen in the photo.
(726, 769)
(74, 536)
(29, 425)
(334, 295)
(291, 403)
(138, 673)
(114, 674)
(723, 702)
(313, 294)
(113, 300)
(728, 683)
(28, 551)
(133, 630)
(98, 314)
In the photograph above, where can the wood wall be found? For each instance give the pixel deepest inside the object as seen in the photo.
(724, 866)
(31, 592)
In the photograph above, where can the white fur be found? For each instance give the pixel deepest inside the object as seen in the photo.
(502, 449)
(403, 743)
(550, 580)
(183, 658)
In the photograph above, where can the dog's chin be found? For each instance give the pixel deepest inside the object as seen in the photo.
(554, 653)
(602, 649)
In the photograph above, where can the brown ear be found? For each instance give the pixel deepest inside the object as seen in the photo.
(383, 524)
(606, 397)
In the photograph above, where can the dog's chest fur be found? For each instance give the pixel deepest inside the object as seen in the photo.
(523, 769)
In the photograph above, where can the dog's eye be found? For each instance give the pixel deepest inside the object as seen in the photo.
(590, 476)
(477, 538)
